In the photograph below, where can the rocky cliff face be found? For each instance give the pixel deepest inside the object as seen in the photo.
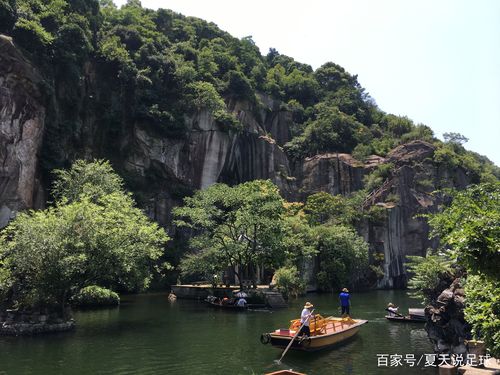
(208, 155)
(22, 115)
(164, 169)
(332, 173)
(405, 195)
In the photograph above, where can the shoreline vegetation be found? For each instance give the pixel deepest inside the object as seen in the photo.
(129, 69)
(90, 241)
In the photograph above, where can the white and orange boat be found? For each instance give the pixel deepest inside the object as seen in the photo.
(325, 332)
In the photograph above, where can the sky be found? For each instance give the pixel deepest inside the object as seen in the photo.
(437, 62)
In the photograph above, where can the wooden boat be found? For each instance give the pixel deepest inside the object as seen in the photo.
(415, 316)
(217, 303)
(416, 313)
(232, 307)
(325, 332)
(406, 319)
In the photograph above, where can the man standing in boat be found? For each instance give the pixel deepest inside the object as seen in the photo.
(345, 301)
(305, 319)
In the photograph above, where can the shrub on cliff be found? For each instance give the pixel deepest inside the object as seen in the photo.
(94, 296)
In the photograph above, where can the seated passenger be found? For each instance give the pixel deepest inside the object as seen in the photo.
(392, 309)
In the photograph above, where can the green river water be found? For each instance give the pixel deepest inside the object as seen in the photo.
(148, 334)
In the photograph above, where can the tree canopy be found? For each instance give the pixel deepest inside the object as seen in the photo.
(468, 228)
(240, 227)
(93, 235)
(155, 66)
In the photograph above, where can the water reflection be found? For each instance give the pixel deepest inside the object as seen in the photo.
(149, 335)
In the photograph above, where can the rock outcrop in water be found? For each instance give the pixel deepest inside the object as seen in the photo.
(446, 326)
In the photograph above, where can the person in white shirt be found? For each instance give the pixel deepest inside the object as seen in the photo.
(392, 309)
(305, 319)
(241, 302)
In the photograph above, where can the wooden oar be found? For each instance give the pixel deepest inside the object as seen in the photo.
(294, 337)
(398, 314)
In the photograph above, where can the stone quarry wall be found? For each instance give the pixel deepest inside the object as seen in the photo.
(169, 167)
(22, 115)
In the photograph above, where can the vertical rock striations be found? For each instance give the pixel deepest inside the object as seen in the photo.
(207, 155)
(161, 169)
(332, 173)
(22, 117)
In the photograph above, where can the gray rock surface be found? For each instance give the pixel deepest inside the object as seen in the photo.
(168, 168)
(22, 115)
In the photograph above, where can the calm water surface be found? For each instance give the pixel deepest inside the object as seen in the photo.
(149, 335)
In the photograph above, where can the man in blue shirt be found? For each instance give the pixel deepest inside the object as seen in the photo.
(345, 302)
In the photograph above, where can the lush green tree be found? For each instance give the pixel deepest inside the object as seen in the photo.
(275, 81)
(93, 295)
(342, 255)
(429, 276)
(87, 239)
(398, 125)
(243, 226)
(289, 282)
(298, 240)
(239, 86)
(331, 77)
(207, 265)
(469, 233)
(322, 208)
(470, 228)
(91, 180)
(455, 138)
(482, 310)
(302, 87)
(332, 130)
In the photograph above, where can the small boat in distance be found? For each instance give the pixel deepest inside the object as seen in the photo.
(406, 319)
(325, 332)
(230, 304)
(415, 316)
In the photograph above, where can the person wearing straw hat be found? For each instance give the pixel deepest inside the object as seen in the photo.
(305, 318)
(393, 310)
(345, 302)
